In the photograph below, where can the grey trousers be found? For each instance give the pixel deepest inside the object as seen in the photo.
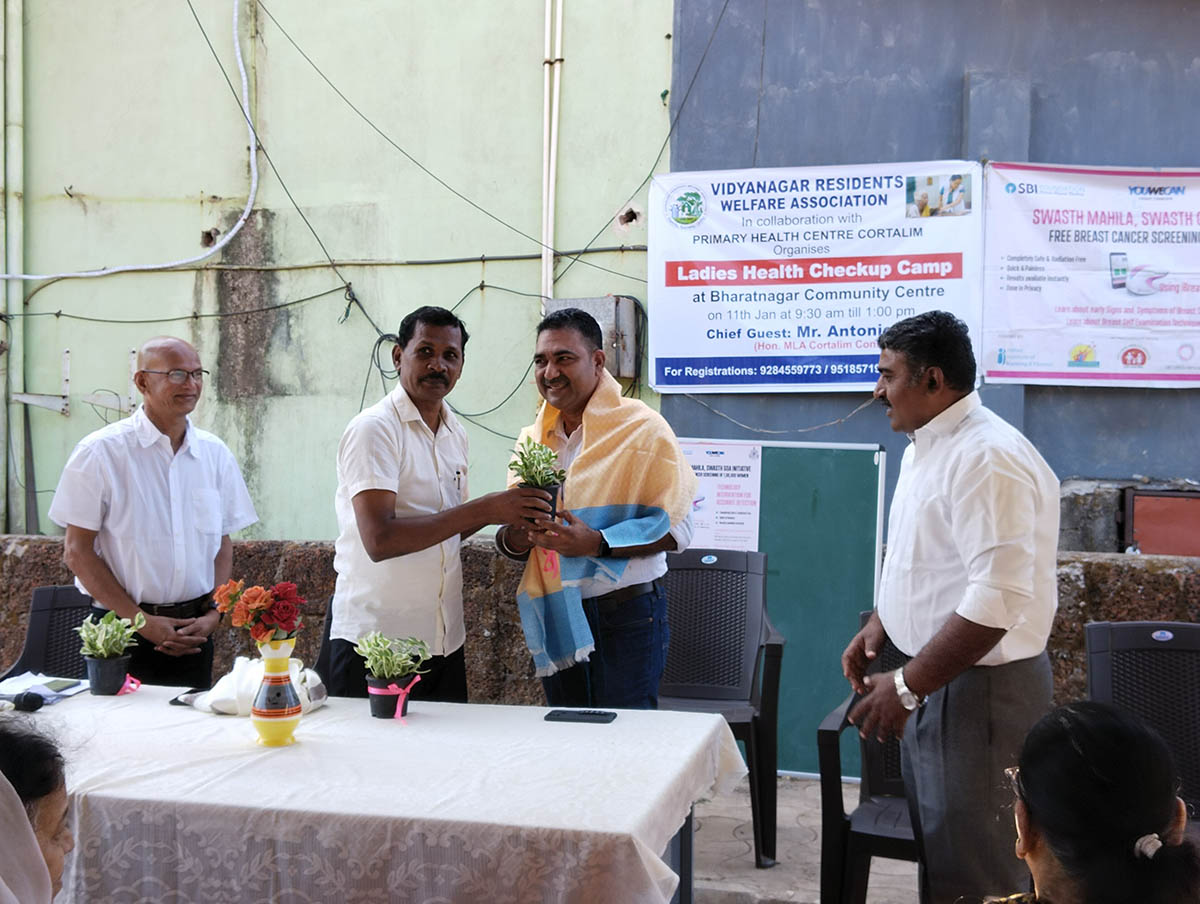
(955, 750)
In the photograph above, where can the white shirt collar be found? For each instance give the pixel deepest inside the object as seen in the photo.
(407, 410)
(147, 434)
(945, 422)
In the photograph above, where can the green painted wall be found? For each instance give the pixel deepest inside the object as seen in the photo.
(134, 145)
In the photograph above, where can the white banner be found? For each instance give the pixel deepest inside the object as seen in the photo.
(780, 280)
(1092, 276)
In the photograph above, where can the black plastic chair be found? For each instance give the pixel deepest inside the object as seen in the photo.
(1152, 669)
(880, 826)
(724, 657)
(51, 646)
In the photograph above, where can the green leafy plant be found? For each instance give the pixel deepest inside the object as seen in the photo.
(536, 465)
(110, 636)
(392, 657)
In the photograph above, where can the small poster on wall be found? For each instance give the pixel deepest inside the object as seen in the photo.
(725, 512)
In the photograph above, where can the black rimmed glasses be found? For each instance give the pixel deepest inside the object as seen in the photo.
(179, 376)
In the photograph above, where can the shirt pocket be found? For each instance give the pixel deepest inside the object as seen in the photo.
(206, 511)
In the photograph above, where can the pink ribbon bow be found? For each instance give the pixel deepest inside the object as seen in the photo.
(394, 690)
(131, 684)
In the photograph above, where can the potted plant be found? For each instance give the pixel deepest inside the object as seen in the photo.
(104, 645)
(537, 466)
(390, 662)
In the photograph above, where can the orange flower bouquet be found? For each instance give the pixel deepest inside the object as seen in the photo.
(269, 614)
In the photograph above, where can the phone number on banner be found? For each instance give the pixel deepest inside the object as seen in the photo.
(808, 369)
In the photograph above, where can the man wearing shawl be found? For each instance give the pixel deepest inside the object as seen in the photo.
(591, 599)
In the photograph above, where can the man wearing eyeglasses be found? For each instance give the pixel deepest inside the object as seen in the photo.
(148, 504)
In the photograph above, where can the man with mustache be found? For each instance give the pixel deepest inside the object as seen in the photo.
(148, 504)
(968, 591)
(628, 499)
(402, 509)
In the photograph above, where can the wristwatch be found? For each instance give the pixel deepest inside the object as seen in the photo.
(605, 549)
(908, 699)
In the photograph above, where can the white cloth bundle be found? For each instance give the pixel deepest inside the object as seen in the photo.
(233, 694)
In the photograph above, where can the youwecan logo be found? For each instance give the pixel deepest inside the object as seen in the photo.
(1157, 191)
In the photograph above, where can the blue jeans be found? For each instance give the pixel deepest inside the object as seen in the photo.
(623, 671)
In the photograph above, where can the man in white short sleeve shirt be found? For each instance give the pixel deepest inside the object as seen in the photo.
(403, 508)
(148, 504)
(969, 591)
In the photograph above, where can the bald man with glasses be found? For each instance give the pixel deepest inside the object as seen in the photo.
(148, 504)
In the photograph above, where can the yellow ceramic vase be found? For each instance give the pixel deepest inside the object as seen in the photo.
(276, 708)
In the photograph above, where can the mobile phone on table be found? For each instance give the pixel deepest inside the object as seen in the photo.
(579, 715)
(58, 685)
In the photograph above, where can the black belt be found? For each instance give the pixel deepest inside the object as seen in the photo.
(624, 594)
(187, 609)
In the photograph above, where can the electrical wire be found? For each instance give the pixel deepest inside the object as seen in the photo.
(196, 315)
(718, 413)
(244, 104)
(419, 165)
(662, 148)
(351, 298)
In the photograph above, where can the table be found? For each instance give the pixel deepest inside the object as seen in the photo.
(461, 802)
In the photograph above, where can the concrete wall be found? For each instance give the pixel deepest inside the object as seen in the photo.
(830, 82)
(130, 148)
(1091, 587)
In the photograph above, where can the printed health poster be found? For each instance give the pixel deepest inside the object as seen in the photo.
(781, 280)
(726, 509)
(1092, 276)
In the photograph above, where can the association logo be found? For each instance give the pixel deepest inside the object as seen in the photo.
(1134, 356)
(1083, 355)
(1186, 352)
(685, 206)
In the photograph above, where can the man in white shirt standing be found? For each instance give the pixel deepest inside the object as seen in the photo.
(402, 509)
(148, 504)
(968, 592)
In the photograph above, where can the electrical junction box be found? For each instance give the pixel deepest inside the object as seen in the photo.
(618, 319)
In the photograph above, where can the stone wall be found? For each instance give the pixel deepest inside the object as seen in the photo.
(1092, 587)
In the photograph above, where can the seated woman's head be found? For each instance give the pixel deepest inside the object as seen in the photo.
(34, 767)
(1098, 813)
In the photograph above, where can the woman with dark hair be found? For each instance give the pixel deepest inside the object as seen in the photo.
(1097, 812)
(35, 837)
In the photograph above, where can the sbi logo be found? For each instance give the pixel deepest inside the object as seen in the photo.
(1021, 188)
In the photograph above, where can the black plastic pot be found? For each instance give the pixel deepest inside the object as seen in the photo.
(553, 491)
(107, 676)
(383, 706)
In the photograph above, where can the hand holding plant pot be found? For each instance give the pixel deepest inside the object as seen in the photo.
(104, 645)
(537, 466)
(391, 661)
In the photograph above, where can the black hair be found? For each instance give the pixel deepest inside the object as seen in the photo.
(30, 761)
(934, 339)
(431, 316)
(574, 319)
(1094, 780)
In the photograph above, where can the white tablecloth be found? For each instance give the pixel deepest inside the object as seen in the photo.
(461, 803)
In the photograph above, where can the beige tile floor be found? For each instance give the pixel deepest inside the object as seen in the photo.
(724, 852)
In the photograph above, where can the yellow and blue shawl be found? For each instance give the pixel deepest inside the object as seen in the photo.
(631, 480)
